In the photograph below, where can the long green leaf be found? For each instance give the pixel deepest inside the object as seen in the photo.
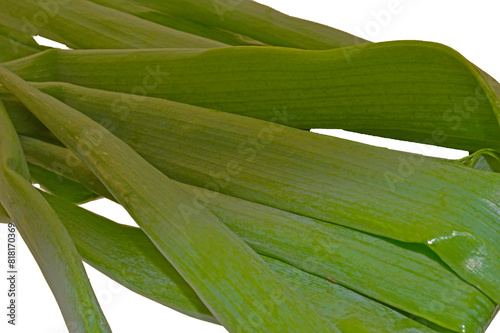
(484, 159)
(107, 246)
(46, 237)
(331, 251)
(230, 278)
(397, 195)
(236, 22)
(83, 24)
(414, 91)
(128, 256)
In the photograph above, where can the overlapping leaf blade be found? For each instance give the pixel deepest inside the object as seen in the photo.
(174, 23)
(84, 24)
(413, 91)
(227, 275)
(46, 237)
(461, 115)
(361, 262)
(330, 179)
(64, 163)
(236, 22)
(128, 256)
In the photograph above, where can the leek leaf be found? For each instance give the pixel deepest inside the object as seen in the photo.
(414, 91)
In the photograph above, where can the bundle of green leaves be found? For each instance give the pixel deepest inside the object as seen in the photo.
(196, 122)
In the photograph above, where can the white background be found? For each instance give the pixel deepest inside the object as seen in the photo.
(470, 28)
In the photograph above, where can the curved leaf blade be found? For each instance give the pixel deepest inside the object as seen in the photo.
(231, 279)
(46, 237)
(407, 90)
